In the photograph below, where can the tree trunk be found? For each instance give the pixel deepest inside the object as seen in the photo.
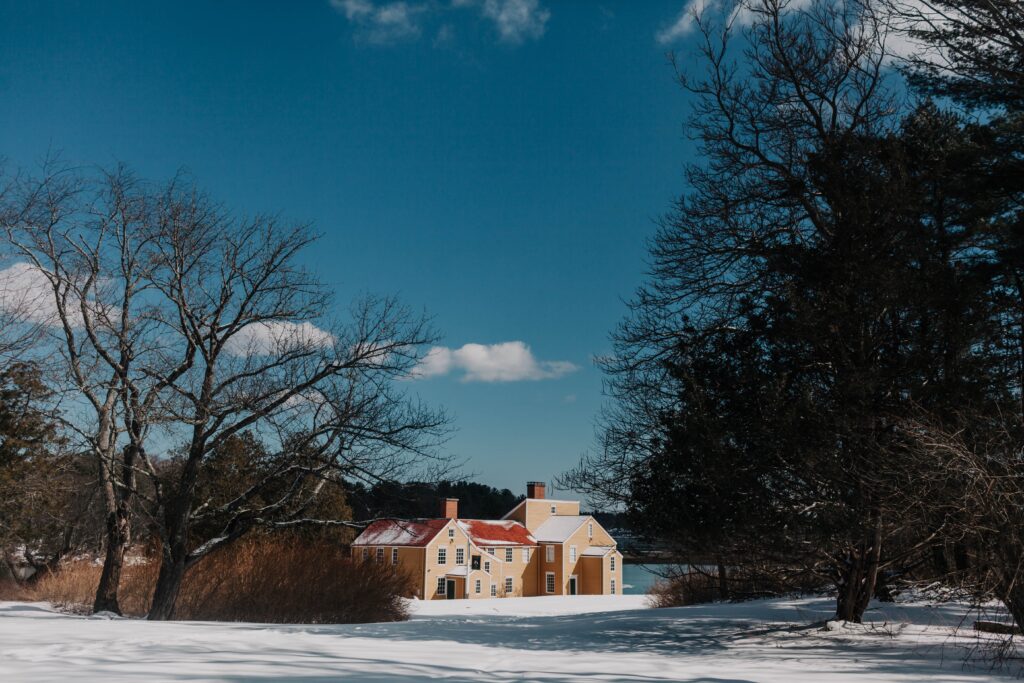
(1014, 602)
(116, 527)
(173, 559)
(859, 575)
(117, 540)
(174, 541)
(723, 581)
(168, 584)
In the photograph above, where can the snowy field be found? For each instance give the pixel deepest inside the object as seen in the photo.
(608, 638)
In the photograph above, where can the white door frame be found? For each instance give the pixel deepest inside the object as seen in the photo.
(574, 582)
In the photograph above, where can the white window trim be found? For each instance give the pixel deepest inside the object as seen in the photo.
(451, 532)
(394, 556)
(510, 585)
(494, 590)
(487, 566)
(366, 553)
(476, 586)
(554, 509)
(526, 555)
(572, 553)
(549, 583)
(590, 529)
(442, 586)
(549, 553)
(442, 555)
(613, 587)
(460, 556)
(508, 554)
(611, 563)
(380, 555)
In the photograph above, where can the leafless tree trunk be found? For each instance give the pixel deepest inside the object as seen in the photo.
(268, 360)
(83, 240)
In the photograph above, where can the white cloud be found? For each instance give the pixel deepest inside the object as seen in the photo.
(389, 22)
(26, 296)
(505, 362)
(740, 14)
(517, 20)
(383, 24)
(683, 24)
(25, 293)
(266, 338)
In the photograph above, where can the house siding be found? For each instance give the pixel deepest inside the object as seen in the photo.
(529, 577)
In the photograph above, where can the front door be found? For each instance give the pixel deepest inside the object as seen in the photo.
(572, 585)
(450, 590)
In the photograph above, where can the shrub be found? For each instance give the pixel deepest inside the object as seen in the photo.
(692, 585)
(271, 580)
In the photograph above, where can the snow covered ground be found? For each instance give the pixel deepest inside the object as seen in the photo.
(613, 638)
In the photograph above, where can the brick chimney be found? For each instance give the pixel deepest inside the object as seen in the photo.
(534, 489)
(450, 508)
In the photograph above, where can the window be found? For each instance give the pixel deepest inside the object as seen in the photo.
(442, 555)
(394, 556)
(474, 562)
(526, 554)
(487, 567)
(494, 590)
(549, 551)
(440, 585)
(490, 550)
(611, 563)
(508, 554)
(508, 585)
(460, 556)
(477, 586)
(549, 582)
(590, 529)
(572, 553)
(366, 553)
(613, 586)
(380, 555)
(554, 509)
(451, 532)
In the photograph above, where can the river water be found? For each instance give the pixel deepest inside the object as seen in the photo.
(636, 579)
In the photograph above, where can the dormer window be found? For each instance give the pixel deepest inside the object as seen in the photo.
(451, 532)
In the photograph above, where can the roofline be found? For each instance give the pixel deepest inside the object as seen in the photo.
(583, 520)
(355, 541)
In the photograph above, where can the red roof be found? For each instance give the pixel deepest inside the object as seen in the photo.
(415, 532)
(419, 532)
(504, 532)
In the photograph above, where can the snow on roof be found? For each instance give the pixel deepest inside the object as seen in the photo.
(457, 571)
(597, 551)
(486, 532)
(559, 527)
(416, 532)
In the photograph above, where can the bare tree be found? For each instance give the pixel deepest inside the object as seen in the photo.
(84, 240)
(969, 484)
(267, 359)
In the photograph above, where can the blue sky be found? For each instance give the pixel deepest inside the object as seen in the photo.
(498, 163)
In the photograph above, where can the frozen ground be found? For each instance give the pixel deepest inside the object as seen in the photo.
(538, 639)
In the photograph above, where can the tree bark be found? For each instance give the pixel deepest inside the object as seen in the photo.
(859, 576)
(172, 564)
(175, 540)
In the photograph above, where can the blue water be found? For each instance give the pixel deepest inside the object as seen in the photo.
(636, 579)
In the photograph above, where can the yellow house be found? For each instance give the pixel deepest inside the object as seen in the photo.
(541, 547)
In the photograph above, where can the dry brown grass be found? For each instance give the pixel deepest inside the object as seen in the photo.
(261, 580)
(746, 583)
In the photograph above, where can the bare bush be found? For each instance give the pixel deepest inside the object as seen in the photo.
(279, 580)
